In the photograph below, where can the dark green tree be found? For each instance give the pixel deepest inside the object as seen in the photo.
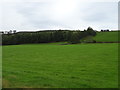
(74, 38)
(91, 32)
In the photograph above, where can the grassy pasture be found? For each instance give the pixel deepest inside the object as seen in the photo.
(103, 37)
(107, 37)
(60, 66)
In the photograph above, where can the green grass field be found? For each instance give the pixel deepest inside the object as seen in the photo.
(60, 66)
(107, 37)
(103, 37)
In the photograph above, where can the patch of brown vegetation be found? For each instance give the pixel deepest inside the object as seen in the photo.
(5, 83)
(12, 76)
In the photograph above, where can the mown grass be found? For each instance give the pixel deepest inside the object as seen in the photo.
(60, 66)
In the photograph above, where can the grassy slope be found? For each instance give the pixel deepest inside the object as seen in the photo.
(0, 67)
(103, 37)
(106, 37)
(68, 66)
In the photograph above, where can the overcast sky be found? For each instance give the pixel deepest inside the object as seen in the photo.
(58, 14)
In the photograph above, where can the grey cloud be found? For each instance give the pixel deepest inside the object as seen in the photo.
(37, 15)
(101, 12)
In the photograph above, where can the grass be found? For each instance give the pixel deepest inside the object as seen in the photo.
(107, 37)
(0, 67)
(87, 39)
(60, 66)
(103, 37)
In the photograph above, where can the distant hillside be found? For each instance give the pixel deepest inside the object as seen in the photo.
(107, 36)
(111, 36)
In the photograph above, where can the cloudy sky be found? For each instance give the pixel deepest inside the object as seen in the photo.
(24, 15)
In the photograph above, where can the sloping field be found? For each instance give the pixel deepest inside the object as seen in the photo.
(107, 37)
(60, 66)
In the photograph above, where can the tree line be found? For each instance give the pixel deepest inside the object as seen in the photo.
(46, 36)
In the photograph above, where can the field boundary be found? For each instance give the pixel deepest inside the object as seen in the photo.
(103, 42)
